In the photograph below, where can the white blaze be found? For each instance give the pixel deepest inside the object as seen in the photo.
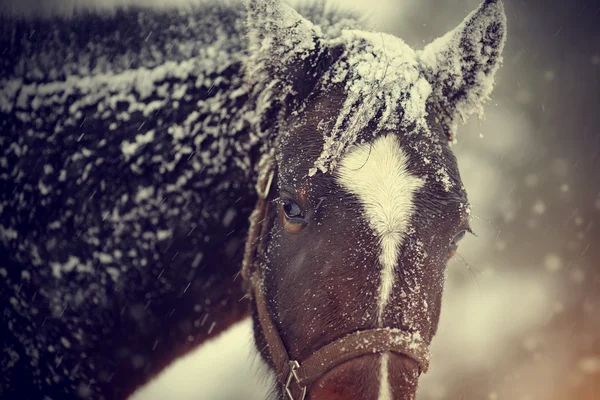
(385, 391)
(377, 174)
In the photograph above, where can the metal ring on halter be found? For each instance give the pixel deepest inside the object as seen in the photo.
(292, 374)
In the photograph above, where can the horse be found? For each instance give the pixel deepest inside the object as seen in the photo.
(169, 172)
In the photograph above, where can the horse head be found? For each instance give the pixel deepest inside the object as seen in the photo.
(360, 198)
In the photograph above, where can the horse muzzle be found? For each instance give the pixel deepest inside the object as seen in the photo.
(388, 375)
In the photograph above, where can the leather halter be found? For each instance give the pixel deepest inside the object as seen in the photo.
(296, 377)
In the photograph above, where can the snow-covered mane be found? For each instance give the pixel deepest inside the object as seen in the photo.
(382, 83)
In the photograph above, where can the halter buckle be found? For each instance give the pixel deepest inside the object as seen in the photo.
(293, 374)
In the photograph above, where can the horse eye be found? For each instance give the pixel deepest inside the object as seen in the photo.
(292, 210)
(458, 238)
(293, 220)
(454, 243)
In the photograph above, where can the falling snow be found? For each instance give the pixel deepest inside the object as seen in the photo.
(146, 105)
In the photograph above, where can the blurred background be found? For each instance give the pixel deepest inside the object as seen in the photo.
(521, 313)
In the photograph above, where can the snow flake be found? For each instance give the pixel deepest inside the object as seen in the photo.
(130, 149)
(589, 365)
(539, 207)
(163, 234)
(72, 263)
(552, 262)
(65, 342)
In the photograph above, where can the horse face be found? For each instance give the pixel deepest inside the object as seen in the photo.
(367, 204)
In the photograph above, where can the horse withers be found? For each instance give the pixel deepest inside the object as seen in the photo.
(166, 172)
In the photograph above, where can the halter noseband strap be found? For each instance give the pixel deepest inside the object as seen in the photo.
(294, 376)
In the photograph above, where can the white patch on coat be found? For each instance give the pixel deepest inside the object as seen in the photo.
(378, 175)
(385, 391)
(231, 353)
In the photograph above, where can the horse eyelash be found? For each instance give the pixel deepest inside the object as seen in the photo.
(321, 200)
(368, 156)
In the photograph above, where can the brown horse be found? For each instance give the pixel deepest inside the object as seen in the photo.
(367, 205)
(141, 150)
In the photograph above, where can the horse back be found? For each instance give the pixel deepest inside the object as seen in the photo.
(126, 167)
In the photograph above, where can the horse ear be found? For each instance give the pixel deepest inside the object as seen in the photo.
(286, 51)
(461, 64)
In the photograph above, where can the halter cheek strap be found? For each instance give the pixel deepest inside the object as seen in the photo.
(296, 377)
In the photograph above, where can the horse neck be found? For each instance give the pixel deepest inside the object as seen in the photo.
(138, 94)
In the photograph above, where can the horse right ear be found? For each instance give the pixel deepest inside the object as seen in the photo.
(461, 65)
(287, 53)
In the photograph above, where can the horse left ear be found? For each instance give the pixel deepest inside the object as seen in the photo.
(285, 49)
(461, 65)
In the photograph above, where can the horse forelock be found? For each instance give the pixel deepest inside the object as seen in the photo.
(384, 90)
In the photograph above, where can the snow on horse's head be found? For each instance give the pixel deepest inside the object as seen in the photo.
(363, 201)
